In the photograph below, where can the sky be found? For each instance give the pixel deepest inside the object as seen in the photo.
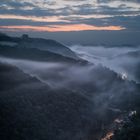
(73, 20)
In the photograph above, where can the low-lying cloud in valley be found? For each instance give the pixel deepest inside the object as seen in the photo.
(122, 60)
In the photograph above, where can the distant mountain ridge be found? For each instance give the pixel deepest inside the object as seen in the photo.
(42, 44)
(35, 54)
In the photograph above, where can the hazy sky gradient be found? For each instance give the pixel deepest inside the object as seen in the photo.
(69, 15)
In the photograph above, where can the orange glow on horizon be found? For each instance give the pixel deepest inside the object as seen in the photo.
(61, 28)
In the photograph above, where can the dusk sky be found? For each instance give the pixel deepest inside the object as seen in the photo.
(63, 17)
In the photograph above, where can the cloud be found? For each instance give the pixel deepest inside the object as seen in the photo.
(16, 5)
(61, 28)
(119, 60)
(33, 18)
(96, 12)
